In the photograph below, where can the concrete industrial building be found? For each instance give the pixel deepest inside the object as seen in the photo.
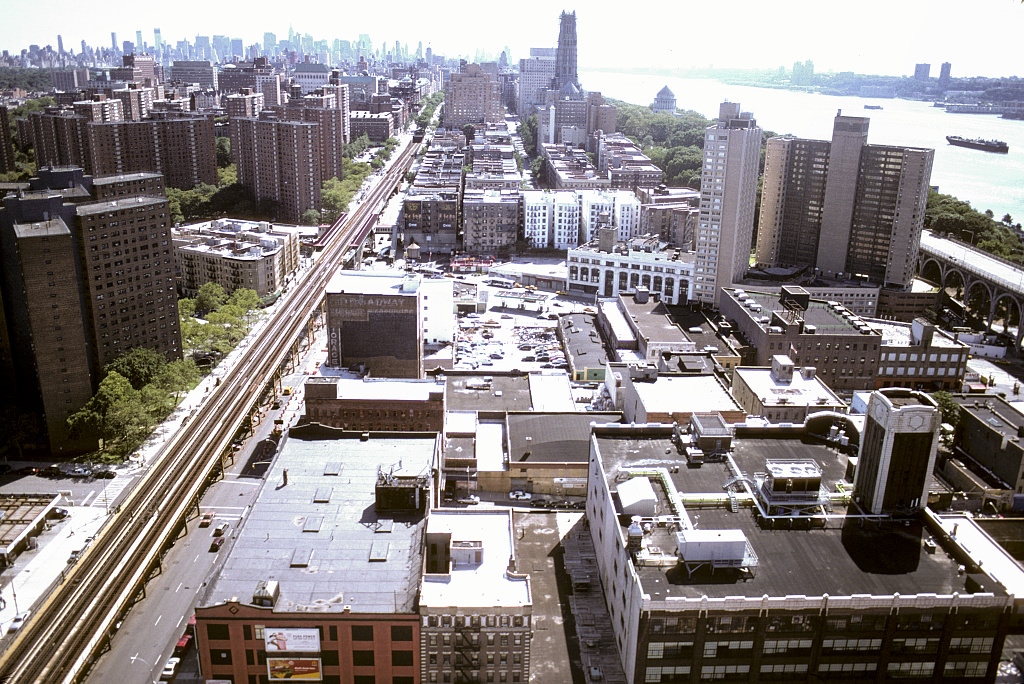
(844, 207)
(728, 190)
(381, 321)
(740, 589)
(202, 72)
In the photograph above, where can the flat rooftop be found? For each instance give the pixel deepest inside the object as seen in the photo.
(582, 340)
(827, 319)
(379, 389)
(800, 391)
(850, 556)
(321, 537)
(553, 437)
(652, 321)
(114, 205)
(488, 393)
(685, 394)
(476, 584)
(371, 283)
(896, 334)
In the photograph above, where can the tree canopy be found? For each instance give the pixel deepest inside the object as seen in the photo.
(948, 215)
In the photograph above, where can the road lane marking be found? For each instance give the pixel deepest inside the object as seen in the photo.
(159, 617)
(196, 558)
(178, 589)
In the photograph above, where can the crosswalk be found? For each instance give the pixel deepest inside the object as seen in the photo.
(111, 491)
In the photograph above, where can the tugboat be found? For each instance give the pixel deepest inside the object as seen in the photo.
(872, 106)
(979, 144)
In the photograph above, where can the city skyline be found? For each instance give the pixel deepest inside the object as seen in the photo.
(757, 38)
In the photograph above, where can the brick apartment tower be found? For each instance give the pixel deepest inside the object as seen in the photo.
(6, 143)
(728, 190)
(83, 281)
(279, 161)
(844, 207)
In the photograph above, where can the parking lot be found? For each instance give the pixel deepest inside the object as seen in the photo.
(517, 332)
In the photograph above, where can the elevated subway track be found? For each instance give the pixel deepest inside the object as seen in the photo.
(72, 625)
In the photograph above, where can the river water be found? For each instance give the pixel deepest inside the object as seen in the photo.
(986, 180)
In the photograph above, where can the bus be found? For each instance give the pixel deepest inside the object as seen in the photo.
(506, 283)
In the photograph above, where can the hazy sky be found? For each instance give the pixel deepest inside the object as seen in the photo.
(979, 37)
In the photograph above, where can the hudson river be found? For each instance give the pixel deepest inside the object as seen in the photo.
(986, 180)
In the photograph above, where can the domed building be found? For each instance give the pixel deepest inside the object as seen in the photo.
(665, 101)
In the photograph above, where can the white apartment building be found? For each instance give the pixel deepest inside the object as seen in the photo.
(565, 219)
(621, 206)
(732, 153)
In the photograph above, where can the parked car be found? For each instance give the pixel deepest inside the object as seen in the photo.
(60, 513)
(106, 474)
(206, 520)
(170, 669)
(19, 621)
(183, 644)
(80, 472)
(216, 543)
(470, 500)
(520, 495)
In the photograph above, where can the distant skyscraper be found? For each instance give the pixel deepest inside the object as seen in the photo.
(113, 41)
(158, 43)
(728, 190)
(565, 59)
(269, 43)
(60, 44)
(139, 45)
(922, 72)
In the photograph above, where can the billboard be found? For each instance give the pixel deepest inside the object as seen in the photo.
(291, 639)
(307, 669)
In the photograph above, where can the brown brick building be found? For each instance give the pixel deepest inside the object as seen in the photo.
(83, 281)
(389, 405)
(6, 144)
(181, 147)
(279, 161)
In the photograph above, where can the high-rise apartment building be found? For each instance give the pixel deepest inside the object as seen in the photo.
(535, 76)
(182, 147)
(944, 75)
(732, 150)
(6, 142)
(472, 97)
(922, 72)
(279, 161)
(844, 207)
(83, 282)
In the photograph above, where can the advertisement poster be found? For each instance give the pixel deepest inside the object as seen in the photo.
(291, 639)
(307, 669)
